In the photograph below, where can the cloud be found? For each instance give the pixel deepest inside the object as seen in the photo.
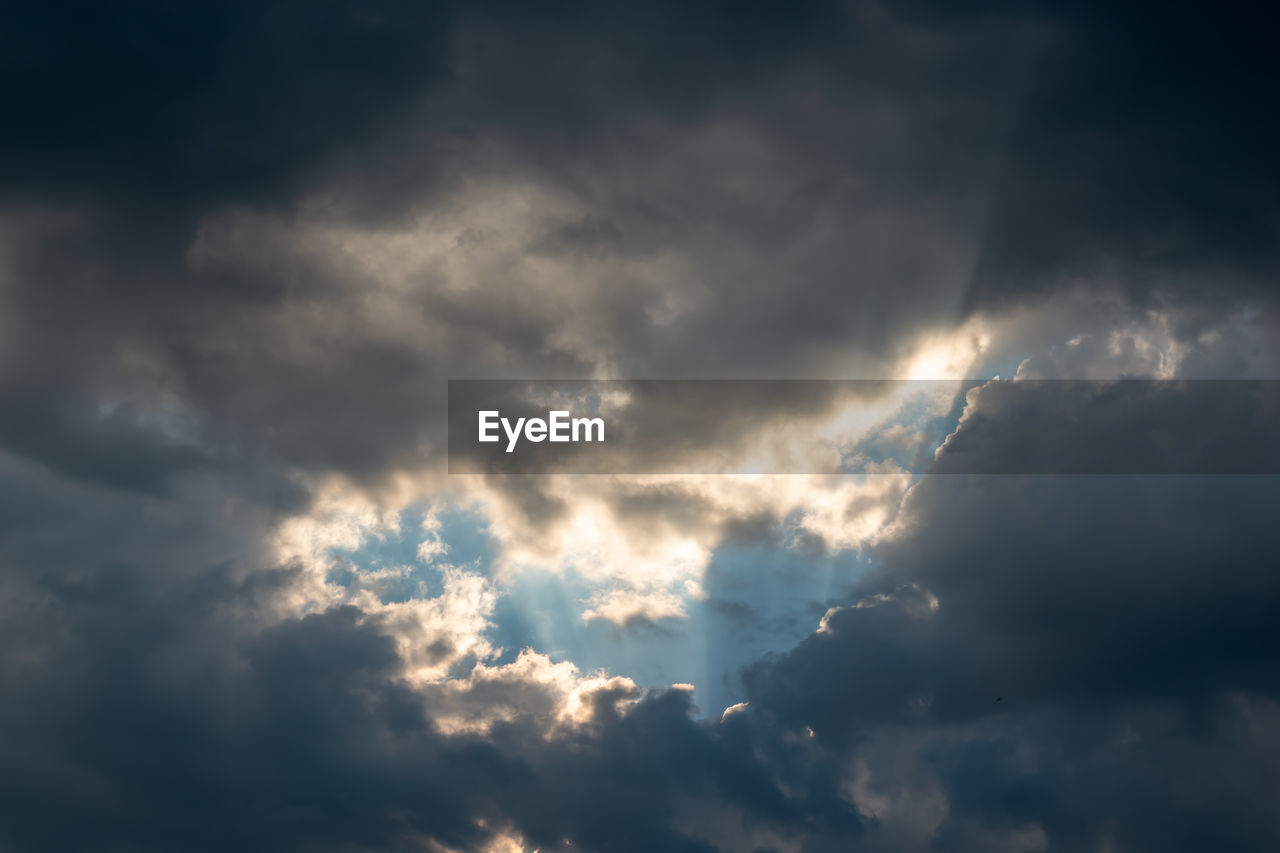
(243, 247)
(1059, 634)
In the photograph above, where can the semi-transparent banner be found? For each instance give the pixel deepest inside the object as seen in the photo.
(864, 426)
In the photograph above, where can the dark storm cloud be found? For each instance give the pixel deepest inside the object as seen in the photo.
(1168, 573)
(828, 180)
(146, 103)
(1165, 572)
(300, 746)
(1143, 145)
(1094, 639)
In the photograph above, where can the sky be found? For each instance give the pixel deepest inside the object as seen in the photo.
(244, 247)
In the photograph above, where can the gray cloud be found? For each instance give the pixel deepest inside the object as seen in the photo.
(1090, 634)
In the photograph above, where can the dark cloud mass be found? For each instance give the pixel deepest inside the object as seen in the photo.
(244, 245)
(1108, 649)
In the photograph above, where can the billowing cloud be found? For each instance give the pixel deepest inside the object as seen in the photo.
(242, 605)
